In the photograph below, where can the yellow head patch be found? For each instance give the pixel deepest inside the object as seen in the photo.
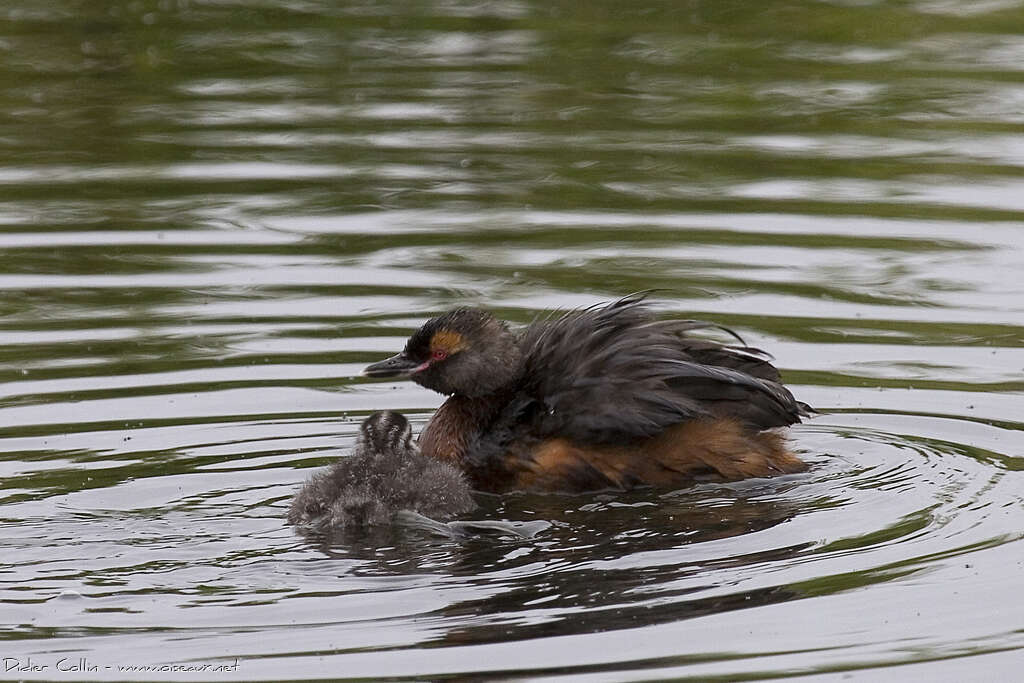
(448, 341)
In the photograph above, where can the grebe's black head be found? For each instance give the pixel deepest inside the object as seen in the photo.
(467, 352)
(386, 432)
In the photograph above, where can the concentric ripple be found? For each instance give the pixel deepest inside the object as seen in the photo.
(182, 551)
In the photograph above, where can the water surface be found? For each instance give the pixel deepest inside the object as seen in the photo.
(213, 214)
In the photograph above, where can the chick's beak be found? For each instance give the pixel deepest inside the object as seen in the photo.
(396, 366)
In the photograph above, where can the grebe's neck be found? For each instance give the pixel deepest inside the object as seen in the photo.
(457, 425)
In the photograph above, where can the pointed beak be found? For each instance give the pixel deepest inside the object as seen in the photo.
(396, 366)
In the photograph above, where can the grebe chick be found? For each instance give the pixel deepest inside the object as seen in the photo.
(601, 397)
(385, 474)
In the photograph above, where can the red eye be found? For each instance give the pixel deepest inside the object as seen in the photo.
(438, 354)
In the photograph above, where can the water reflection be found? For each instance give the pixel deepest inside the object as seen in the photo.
(214, 214)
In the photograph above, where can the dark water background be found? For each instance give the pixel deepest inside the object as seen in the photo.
(214, 213)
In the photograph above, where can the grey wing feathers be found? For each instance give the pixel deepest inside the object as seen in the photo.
(614, 372)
